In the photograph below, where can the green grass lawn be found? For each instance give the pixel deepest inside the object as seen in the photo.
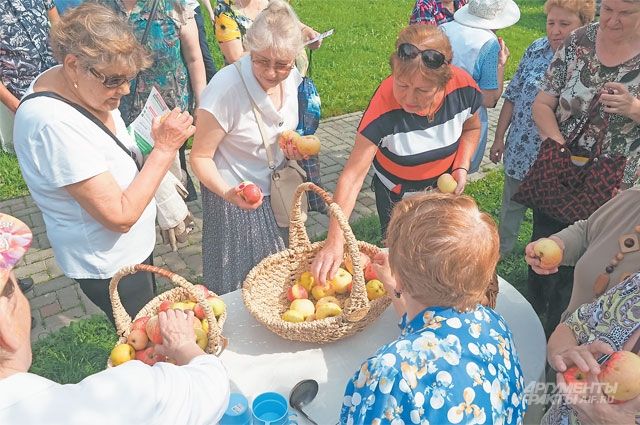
(82, 348)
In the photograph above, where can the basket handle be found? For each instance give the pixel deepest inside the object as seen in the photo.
(357, 306)
(216, 342)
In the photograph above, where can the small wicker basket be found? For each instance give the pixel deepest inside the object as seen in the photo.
(183, 290)
(264, 289)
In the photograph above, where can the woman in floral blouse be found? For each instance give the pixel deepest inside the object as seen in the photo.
(611, 322)
(523, 142)
(454, 361)
(435, 12)
(602, 58)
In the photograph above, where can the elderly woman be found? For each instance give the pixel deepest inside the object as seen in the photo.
(600, 58)
(610, 323)
(421, 122)
(604, 248)
(454, 361)
(228, 147)
(130, 393)
(523, 141)
(74, 153)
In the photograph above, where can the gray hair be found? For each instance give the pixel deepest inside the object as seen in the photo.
(276, 28)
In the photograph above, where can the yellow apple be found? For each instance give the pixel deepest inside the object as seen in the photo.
(549, 252)
(321, 291)
(179, 305)
(217, 305)
(201, 338)
(122, 353)
(306, 281)
(308, 145)
(341, 281)
(364, 262)
(446, 183)
(292, 316)
(296, 291)
(622, 374)
(310, 318)
(328, 309)
(205, 325)
(375, 289)
(303, 306)
(197, 324)
(329, 299)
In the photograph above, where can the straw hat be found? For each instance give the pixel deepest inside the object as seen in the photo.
(488, 14)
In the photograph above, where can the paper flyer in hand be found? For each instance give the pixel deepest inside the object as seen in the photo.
(140, 128)
(319, 37)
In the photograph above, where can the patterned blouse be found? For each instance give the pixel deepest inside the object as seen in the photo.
(169, 71)
(446, 367)
(523, 140)
(432, 12)
(611, 318)
(230, 23)
(575, 76)
(24, 43)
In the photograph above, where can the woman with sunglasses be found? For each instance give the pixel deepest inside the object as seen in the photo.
(228, 147)
(421, 122)
(74, 154)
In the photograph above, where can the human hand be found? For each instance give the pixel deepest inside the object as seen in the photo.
(170, 131)
(309, 33)
(383, 271)
(290, 150)
(584, 357)
(616, 99)
(532, 260)
(496, 151)
(233, 196)
(504, 53)
(327, 260)
(592, 405)
(178, 337)
(460, 176)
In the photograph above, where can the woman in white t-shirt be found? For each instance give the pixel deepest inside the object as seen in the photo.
(228, 147)
(97, 207)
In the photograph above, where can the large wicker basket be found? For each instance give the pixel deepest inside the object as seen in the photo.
(183, 290)
(264, 289)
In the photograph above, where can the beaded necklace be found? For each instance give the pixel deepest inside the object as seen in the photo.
(628, 243)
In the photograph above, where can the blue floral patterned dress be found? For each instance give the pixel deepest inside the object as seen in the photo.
(446, 367)
(523, 140)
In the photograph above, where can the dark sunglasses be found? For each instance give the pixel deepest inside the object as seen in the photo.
(111, 81)
(431, 58)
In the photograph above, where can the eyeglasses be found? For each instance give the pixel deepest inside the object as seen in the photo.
(431, 58)
(111, 81)
(280, 67)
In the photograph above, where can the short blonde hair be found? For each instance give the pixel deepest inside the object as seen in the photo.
(276, 28)
(442, 249)
(585, 9)
(98, 36)
(423, 37)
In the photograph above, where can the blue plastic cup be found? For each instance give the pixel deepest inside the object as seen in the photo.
(272, 409)
(237, 412)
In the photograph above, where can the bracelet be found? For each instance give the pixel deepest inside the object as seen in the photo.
(460, 168)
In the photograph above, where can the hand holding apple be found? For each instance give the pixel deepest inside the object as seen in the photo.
(288, 142)
(446, 183)
(584, 357)
(545, 255)
(178, 336)
(234, 197)
(249, 191)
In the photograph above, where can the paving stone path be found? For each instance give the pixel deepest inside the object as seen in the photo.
(57, 300)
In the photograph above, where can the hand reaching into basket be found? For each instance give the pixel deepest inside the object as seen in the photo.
(178, 340)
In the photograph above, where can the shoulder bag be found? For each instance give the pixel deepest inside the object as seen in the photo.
(565, 191)
(284, 180)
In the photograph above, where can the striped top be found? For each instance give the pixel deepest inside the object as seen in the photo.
(413, 150)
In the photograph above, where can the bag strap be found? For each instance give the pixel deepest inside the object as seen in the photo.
(88, 115)
(578, 131)
(310, 55)
(272, 163)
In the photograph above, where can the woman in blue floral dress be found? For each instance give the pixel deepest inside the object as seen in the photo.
(523, 142)
(455, 360)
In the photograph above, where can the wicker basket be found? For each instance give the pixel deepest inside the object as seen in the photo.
(264, 289)
(183, 290)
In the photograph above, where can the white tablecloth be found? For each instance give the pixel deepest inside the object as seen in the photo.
(259, 360)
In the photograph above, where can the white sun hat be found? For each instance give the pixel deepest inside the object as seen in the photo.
(488, 14)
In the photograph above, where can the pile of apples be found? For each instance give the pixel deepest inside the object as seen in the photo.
(306, 290)
(145, 331)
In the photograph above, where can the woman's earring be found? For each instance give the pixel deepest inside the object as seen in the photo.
(75, 84)
(398, 294)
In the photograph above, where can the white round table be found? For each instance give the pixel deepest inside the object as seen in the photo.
(259, 360)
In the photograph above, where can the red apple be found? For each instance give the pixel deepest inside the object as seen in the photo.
(370, 273)
(621, 373)
(198, 311)
(140, 323)
(164, 306)
(147, 356)
(249, 191)
(153, 330)
(365, 260)
(138, 339)
(203, 290)
(297, 291)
